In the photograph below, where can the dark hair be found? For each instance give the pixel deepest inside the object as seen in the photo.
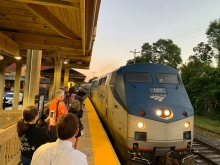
(67, 126)
(29, 114)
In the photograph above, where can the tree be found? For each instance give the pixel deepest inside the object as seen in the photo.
(90, 81)
(213, 35)
(147, 53)
(162, 52)
(138, 59)
(204, 53)
(167, 53)
(202, 82)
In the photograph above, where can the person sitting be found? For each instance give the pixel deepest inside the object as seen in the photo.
(61, 151)
(30, 135)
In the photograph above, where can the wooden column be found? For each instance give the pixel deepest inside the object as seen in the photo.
(57, 72)
(32, 77)
(51, 90)
(17, 87)
(2, 81)
(66, 77)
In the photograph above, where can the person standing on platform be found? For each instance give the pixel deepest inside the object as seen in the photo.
(82, 94)
(74, 108)
(61, 151)
(30, 135)
(57, 105)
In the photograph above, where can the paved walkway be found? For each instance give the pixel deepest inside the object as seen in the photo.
(10, 108)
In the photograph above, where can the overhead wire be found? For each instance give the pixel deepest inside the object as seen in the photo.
(175, 37)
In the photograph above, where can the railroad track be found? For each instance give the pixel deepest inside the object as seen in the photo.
(205, 153)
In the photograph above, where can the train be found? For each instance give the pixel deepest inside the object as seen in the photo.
(147, 112)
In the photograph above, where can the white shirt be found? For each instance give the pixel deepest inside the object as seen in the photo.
(58, 153)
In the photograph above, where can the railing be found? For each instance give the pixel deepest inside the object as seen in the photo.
(9, 141)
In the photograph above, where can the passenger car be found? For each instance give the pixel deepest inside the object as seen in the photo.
(9, 97)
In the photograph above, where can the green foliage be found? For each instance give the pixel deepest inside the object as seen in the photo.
(90, 81)
(202, 83)
(162, 52)
(207, 123)
(204, 53)
(213, 34)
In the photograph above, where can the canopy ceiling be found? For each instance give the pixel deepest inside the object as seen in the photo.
(64, 28)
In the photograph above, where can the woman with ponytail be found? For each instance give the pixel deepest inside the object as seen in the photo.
(30, 135)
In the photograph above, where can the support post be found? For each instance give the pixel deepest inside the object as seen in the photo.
(2, 81)
(51, 90)
(57, 72)
(66, 77)
(17, 87)
(32, 77)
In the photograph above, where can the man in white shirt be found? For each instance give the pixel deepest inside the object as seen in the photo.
(61, 151)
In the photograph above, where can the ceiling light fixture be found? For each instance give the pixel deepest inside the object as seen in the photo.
(18, 57)
(1, 56)
(65, 61)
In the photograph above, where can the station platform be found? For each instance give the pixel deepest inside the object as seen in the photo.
(95, 142)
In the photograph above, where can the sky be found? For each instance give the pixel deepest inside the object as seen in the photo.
(125, 25)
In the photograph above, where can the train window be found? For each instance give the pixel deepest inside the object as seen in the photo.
(138, 77)
(100, 81)
(95, 83)
(166, 78)
(112, 81)
(104, 80)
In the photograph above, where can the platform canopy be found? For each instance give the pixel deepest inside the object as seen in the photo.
(73, 74)
(63, 27)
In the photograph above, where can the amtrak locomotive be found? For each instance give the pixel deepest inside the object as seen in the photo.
(147, 112)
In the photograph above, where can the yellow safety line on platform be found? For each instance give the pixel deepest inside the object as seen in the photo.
(103, 151)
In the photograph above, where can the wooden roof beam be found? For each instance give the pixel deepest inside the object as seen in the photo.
(42, 40)
(53, 3)
(70, 56)
(82, 9)
(51, 20)
(8, 45)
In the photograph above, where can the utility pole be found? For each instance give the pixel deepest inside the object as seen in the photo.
(134, 55)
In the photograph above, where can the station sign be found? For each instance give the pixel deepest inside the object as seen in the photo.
(79, 61)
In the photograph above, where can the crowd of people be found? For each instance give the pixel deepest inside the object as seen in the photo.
(54, 140)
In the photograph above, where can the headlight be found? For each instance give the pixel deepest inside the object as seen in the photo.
(158, 112)
(186, 124)
(167, 112)
(140, 125)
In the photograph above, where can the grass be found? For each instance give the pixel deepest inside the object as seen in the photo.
(213, 125)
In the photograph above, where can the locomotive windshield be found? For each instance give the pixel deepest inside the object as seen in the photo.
(138, 77)
(167, 78)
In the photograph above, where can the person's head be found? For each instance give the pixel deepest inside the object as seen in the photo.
(72, 89)
(60, 93)
(80, 88)
(30, 116)
(66, 88)
(67, 126)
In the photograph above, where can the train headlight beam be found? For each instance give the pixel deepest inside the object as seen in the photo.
(140, 125)
(158, 112)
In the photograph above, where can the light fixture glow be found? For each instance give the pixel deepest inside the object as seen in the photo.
(167, 112)
(18, 57)
(1, 57)
(159, 112)
(186, 124)
(140, 125)
(65, 61)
